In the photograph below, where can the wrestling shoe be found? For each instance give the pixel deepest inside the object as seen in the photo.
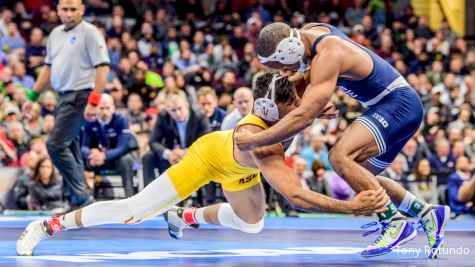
(36, 232)
(176, 222)
(393, 234)
(433, 222)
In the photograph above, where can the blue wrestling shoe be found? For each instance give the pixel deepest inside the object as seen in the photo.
(433, 222)
(393, 234)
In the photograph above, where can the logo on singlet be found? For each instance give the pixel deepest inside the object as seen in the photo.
(381, 120)
(247, 179)
(348, 92)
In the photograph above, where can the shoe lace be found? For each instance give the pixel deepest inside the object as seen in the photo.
(384, 228)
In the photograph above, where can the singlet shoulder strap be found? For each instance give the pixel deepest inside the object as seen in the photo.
(314, 45)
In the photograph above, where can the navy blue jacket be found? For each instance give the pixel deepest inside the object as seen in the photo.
(216, 119)
(113, 139)
(437, 164)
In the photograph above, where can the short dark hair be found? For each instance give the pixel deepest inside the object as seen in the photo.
(270, 36)
(284, 90)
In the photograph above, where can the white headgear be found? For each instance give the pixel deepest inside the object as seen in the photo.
(266, 107)
(289, 51)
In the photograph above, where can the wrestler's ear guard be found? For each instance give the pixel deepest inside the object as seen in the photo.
(265, 107)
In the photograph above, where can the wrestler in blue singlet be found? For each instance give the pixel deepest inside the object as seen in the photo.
(395, 110)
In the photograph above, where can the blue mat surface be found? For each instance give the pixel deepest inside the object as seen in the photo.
(285, 241)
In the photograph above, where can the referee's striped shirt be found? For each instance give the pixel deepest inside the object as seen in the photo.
(74, 54)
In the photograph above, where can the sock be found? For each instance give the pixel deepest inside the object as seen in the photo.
(390, 214)
(413, 206)
(200, 215)
(68, 221)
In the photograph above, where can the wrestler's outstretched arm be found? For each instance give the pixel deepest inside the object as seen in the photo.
(270, 161)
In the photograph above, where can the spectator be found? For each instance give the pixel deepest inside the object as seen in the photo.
(208, 103)
(171, 87)
(300, 168)
(186, 63)
(48, 124)
(106, 144)
(243, 101)
(199, 43)
(422, 184)
(175, 130)
(228, 63)
(386, 49)
(135, 113)
(48, 103)
(125, 74)
(117, 27)
(35, 50)
(442, 160)
(5, 19)
(8, 155)
(316, 151)
(395, 170)
(461, 188)
(458, 149)
(254, 26)
(238, 41)
(410, 155)
(462, 121)
(21, 77)
(161, 23)
(17, 134)
(22, 185)
(12, 40)
(37, 147)
(369, 31)
(423, 29)
(11, 114)
(319, 182)
(145, 43)
(33, 123)
(46, 188)
(226, 88)
(354, 15)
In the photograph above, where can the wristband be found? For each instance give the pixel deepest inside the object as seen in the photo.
(94, 98)
(33, 95)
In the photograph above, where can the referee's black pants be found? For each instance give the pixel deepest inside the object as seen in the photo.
(63, 144)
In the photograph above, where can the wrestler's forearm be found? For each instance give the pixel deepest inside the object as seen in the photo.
(290, 125)
(286, 182)
(313, 201)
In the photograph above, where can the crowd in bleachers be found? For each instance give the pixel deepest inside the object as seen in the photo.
(202, 54)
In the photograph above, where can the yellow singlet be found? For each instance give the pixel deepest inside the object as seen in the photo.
(211, 158)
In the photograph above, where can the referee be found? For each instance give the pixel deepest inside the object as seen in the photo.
(76, 64)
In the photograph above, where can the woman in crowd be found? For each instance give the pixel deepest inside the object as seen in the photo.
(422, 184)
(46, 188)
